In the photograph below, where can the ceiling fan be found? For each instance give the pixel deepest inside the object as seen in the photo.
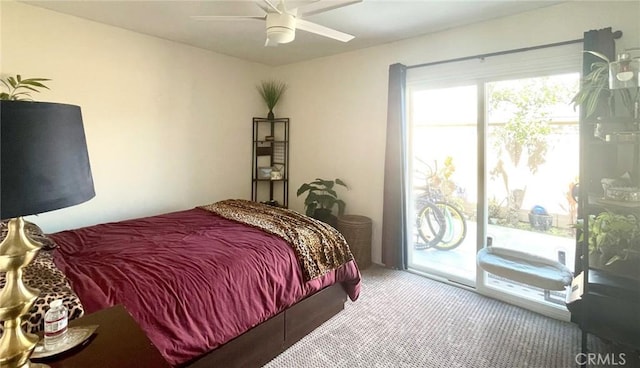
(281, 23)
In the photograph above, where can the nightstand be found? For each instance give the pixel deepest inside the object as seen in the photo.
(118, 342)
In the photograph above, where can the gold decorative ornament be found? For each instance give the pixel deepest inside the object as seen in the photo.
(17, 250)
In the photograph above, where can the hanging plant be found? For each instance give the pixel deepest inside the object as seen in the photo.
(20, 89)
(271, 92)
(595, 87)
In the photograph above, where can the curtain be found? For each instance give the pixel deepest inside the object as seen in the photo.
(601, 41)
(595, 161)
(394, 202)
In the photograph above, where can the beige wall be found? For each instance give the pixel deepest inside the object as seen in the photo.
(168, 125)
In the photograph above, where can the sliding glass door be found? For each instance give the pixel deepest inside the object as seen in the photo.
(532, 150)
(492, 161)
(443, 167)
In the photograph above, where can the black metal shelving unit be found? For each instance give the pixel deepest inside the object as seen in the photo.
(609, 298)
(270, 161)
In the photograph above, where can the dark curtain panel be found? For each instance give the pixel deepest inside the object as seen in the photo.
(596, 161)
(393, 218)
(601, 41)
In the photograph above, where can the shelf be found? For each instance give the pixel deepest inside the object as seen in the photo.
(609, 296)
(613, 285)
(608, 308)
(609, 319)
(596, 200)
(264, 151)
(270, 149)
(615, 120)
(266, 120)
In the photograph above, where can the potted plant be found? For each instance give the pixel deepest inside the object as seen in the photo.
(321, 199)
(19, 89)
(271, 92)
(595, 88)
(612, 237)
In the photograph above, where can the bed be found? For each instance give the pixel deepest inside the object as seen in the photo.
(229, 284)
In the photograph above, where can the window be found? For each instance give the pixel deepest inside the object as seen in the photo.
(496, 135)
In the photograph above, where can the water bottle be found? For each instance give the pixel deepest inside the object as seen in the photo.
(55, 323)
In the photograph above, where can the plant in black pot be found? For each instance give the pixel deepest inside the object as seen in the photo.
(271, 91)
(322, 199)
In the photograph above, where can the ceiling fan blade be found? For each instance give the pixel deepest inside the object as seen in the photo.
(322, 6)
(264, 8)
(305, 25)
(273, 7)
(227, 17)
(269, 43)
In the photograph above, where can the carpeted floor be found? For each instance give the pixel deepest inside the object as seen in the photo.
(405, 320)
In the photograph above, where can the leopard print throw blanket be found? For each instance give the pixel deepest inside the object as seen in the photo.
(43, 275)
(319, 247)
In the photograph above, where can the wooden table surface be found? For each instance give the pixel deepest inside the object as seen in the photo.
(117, 343)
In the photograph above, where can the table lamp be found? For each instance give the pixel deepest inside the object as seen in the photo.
(44, 167)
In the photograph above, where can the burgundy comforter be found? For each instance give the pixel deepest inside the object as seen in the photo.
(191, 279)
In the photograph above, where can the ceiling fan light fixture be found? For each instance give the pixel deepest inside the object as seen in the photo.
(281, 28)
(281, 35)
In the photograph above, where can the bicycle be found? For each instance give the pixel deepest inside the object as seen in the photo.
(440, 224)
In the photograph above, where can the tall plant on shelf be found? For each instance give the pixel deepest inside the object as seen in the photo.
(20, 89)
(271, 92)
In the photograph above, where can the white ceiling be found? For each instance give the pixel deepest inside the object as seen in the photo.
(373, 22)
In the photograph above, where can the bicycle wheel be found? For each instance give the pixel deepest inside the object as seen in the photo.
(430, 225)
(455, 227)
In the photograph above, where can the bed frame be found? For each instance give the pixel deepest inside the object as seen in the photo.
(267, 340)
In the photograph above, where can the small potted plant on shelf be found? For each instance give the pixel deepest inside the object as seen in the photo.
(614, 241)
(271, 92)
(321, 200)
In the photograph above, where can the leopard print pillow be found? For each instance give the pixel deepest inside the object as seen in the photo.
(33, 231)
(43, 275)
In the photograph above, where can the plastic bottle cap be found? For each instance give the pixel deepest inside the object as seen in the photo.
(56, 303)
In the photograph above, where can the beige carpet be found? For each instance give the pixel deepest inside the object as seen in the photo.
(405, 320)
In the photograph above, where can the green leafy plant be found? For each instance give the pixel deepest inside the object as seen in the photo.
(271, 92)
(20, 89)
(321, 195)
(595, 88)
(612, 235)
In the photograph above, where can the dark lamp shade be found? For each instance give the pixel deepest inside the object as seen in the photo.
(44, 158)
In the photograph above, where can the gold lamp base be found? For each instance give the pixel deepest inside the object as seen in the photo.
(17, 250)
